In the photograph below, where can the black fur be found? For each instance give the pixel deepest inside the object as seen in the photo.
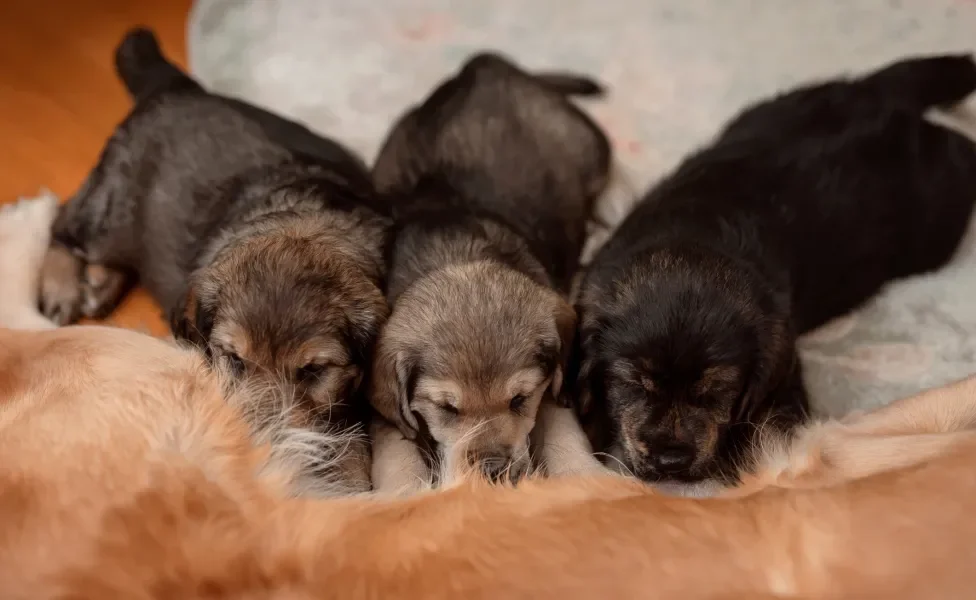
(800, 211)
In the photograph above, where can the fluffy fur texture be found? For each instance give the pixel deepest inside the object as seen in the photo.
(130, 471)
(801, 209)
(263, 241)
(492, 180)
(25, 232)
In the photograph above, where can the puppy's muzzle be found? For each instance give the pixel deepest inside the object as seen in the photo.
(495, 465)
(672, 458)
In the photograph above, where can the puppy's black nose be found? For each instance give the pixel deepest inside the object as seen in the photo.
(494, 469)
(493, 465)
(673, 459)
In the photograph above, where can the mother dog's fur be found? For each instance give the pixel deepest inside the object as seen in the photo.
(127, 472)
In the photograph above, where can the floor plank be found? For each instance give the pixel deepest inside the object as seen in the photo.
(60, 99)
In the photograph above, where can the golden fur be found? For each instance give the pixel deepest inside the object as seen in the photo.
(128, 473)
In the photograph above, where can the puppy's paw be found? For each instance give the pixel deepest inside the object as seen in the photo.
(61, 286)
(101, 289)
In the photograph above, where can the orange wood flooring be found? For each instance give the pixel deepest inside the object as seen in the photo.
(60, 99)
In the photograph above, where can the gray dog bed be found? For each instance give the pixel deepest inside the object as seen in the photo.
(676, 69)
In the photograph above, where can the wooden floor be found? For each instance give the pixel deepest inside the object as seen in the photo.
(60, 99)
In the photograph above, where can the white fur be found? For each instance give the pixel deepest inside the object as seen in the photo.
(398, 466)
(309, 456)
(563, 446)
(25, 232)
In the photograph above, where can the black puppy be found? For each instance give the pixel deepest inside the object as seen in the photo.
(801, 210)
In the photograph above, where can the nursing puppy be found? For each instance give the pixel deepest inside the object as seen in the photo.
(492, 180)
(262, 241)
(800, 210)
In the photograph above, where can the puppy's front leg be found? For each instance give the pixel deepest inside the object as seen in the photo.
(562, 446)
(398, 465)
(354, 468)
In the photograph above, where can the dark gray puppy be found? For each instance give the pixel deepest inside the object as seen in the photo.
(492, 180)
(263, 241)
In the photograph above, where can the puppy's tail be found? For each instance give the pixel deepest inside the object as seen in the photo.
(926, 82)
(144, 70)
(571, 84)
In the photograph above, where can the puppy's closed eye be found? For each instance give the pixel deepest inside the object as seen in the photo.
(235, 363)
(310, 372)
(450, 409)
(517, 403)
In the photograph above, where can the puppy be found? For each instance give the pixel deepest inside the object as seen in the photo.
(492, 180)
(800, 210)
(263, 242)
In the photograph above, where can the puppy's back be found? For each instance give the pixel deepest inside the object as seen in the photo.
(839, 186)
(508, 144)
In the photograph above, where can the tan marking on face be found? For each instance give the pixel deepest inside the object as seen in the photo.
(631, 422)
(312, 397)
(228, 336)
(710, 442)
(718, 377)
(485, 424)
(440, 391)
(324, 350)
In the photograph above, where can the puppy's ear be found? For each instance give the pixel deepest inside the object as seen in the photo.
(774, 367)
(190, 322)
(586, 368)
(364, 327)
(391, 390)
(565, 318)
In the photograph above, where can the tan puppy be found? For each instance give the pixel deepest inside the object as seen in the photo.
(492, 179)
(127, 471)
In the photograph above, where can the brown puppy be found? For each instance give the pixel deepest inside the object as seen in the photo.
(492, 180)
(262, 240)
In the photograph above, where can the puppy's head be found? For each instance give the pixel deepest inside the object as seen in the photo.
(285, 308)
(467, 356)
(685, 355)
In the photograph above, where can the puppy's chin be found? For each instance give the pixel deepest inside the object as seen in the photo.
(704, 488)
(455, 468)
(650, 475)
